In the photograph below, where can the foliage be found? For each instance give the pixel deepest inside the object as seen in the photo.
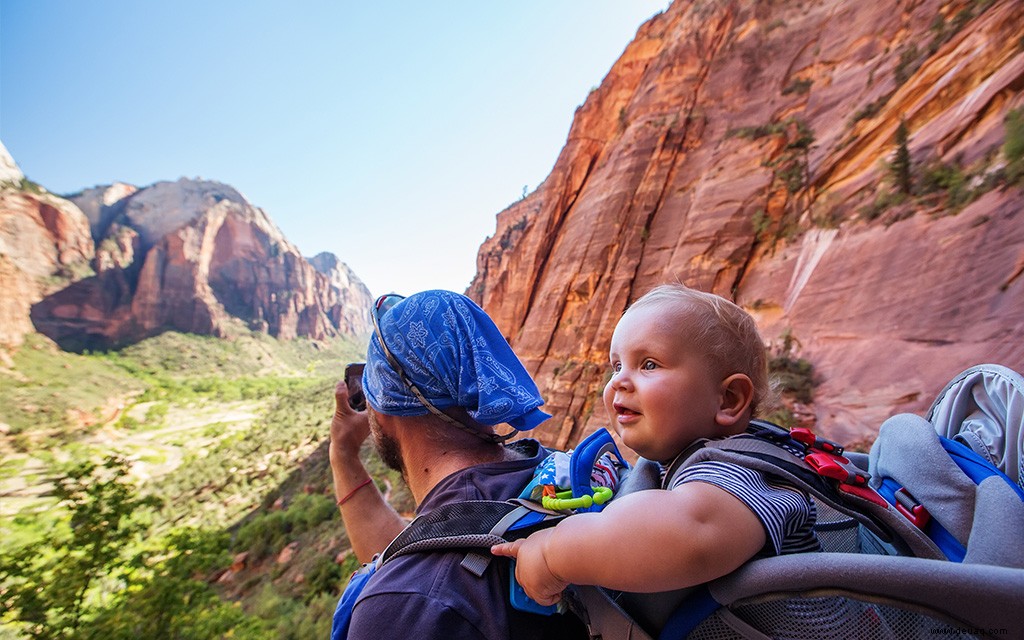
(940, 177)
(798, 86)
(57, 392)
(46, 584)
(164, 599)
(900, 167)
(1013, 146)
(269, 532)
(910, 61)
(871, 109)
(791, 375)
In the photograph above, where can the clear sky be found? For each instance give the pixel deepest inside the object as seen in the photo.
(390, 134)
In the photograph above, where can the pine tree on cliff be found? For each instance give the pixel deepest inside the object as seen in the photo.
(900, 167)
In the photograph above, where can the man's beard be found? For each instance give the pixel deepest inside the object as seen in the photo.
(387, 448)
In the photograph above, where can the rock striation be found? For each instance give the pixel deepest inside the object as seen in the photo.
(750, 149)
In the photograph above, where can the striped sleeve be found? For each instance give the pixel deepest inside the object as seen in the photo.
(787, 513)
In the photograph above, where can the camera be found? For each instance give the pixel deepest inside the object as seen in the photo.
(354, 382)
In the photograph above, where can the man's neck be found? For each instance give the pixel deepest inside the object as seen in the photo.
(428, 461)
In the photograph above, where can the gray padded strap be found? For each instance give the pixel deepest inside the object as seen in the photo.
(980, 596)
(996, 537)
(908, 451)
(884, 520)
(605, 619)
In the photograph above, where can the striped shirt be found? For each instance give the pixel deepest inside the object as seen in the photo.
(787, 513)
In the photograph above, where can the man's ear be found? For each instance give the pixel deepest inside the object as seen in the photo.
(735, 395)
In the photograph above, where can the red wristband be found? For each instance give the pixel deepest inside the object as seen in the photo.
(353, 492)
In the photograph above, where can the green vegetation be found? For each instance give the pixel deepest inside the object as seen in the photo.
(899, 168)
(1013, 147)
(224, 432)
(789, 171)
(792, 378)
(54, 395)
(799, 86)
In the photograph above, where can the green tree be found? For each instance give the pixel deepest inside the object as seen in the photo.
(167, 597)
(45, 585)
(1013, 147)
(900, 167)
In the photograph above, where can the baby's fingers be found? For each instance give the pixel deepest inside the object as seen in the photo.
(507, 549)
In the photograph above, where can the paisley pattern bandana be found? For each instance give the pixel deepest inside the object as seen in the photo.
(453, 352)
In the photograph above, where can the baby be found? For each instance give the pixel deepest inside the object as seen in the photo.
(686, 365)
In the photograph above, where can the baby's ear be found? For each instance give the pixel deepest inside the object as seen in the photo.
(735, 395)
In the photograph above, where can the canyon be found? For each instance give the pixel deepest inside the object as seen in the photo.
(748, 149)
(113, 264)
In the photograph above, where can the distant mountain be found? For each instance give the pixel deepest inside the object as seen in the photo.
(352, 292)
(113, 264)
(44, 245)
(754, 149)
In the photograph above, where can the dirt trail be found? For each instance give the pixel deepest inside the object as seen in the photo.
(154, 452)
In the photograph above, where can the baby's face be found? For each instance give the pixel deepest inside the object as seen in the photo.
(662, 395)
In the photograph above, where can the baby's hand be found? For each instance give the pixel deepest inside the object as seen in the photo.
(532, 571)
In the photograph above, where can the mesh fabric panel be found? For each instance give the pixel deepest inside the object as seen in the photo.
(827, 618)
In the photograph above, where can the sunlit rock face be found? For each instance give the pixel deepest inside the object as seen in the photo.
(352, 313)
(196, 256)
(745, 149)
(44, 244)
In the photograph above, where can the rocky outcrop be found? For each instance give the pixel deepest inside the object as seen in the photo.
(44, 244)
(192, 256)
(352, 313)
(747, 148)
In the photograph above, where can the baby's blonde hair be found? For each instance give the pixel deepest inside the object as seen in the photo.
(724, 332)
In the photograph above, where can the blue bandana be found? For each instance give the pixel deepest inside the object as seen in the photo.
(452, 351)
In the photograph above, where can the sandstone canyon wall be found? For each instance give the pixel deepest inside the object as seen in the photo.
(114, 264)
(747, 148)
(44, 244)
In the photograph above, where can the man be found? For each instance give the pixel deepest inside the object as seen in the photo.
(439, 378)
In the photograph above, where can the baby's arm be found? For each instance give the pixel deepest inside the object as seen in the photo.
(647, 541)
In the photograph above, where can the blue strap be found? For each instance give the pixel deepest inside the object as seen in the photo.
(694, 610)
(581, 464)
(343, 613)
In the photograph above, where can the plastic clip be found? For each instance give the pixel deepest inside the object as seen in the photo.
(911, 508)
(804, 435)
(838, 468)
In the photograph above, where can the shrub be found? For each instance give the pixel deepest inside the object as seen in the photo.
(1013, 146)
(792, 376)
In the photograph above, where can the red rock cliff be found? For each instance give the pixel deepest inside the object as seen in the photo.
(44, 244)
(742, 148)
(190, 256)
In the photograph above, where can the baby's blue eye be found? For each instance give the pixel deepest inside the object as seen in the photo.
(648, 365)
(616, 367)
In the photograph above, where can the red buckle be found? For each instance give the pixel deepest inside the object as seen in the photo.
(867, 493)
(838, 468)
(911, 508)
(804, 435)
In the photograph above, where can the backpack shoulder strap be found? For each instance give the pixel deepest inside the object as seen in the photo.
(817, 467)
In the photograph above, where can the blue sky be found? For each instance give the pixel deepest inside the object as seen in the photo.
(390, 134)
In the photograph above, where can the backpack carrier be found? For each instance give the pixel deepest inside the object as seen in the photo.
(922, 537)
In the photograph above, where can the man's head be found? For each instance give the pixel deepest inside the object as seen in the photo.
(436, 354)
(685, 365)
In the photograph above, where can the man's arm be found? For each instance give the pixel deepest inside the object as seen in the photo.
(369, 520)
(647, 541)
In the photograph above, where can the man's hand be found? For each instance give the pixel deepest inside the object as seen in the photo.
(532, 570)
(349, 428)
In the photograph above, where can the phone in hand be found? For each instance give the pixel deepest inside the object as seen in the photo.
(354, 382)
